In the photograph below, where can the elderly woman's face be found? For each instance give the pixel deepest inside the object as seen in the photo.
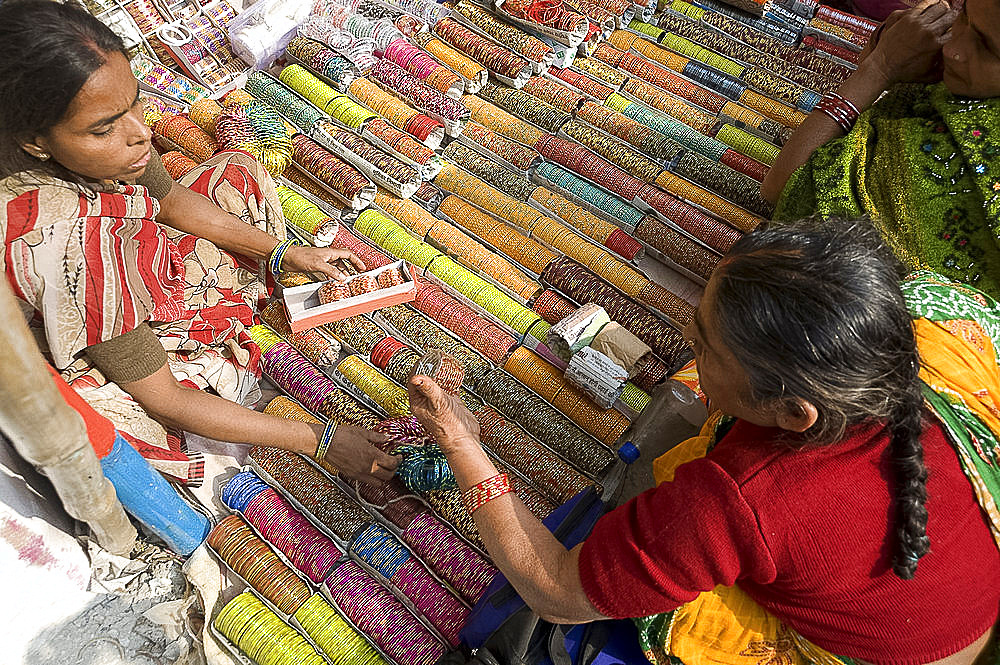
(972, 56)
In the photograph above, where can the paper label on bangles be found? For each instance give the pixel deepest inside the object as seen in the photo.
(576, 330)
(562, 55)
(621, 346)
(597, 375)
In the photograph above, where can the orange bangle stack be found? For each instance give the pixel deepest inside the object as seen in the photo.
(547, 381)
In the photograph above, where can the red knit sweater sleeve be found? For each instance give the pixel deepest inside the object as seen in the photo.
(670, 543)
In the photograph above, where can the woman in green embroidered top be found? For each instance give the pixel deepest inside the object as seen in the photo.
(924, 161)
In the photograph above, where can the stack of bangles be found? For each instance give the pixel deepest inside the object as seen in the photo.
(841, 111)
(583, 83)
(482, 493)
(277, 254)
(177, 164)
(339, 175)
(549, 13)
(836, 17)
(497, 175)
(597, 14)
(325, 441)
(518, 41)
(595, 67)
(492, 56)
(836, 50)
(421, 65)
(191, 138)
(422, 96)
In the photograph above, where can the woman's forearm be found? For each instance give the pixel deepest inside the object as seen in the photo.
(193, 213)
(353, 451)
(862, 88)
(214, 417)
(544, 573)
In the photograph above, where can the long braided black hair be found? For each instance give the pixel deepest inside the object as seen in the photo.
(814, 311)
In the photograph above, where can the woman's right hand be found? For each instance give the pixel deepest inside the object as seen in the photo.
(443, 415)
(909, 43)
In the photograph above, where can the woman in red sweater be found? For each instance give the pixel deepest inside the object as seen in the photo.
(840, 505)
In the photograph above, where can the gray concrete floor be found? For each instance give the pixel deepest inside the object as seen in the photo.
(57, 622)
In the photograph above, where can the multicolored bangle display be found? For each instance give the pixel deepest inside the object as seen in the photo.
(602, 71)
(558, 95)
(511, 183)
(322, 60)
(582, 285)
(251, 558)
(500, 121)
(517, 155)
(488, 53)
(189, 137)
(519, 41)
(418, 93)
(582, 82)
(333, 635)
(525, 105)
(673, 103)
(309, 550)
(660, 77)
(482, 493)
(473, 73)
(668, 125)
(262, 635)
(554, 478)
(310, 343)
(313, 490)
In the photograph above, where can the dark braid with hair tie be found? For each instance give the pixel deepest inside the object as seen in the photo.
(906, 427)
(813, 311)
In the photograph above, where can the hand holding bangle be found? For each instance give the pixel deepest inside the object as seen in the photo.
(443, 415)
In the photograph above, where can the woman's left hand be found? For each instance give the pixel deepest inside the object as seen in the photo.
(356, 454)
(323, 260)
(443, 415)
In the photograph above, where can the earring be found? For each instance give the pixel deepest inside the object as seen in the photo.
(42, 156)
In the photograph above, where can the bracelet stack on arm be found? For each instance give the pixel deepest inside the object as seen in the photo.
(325, 441)
(482, 493)
(839, 109)
(277, 254)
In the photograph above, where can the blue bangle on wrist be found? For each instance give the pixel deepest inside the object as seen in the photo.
(325, 441)
(277, 254)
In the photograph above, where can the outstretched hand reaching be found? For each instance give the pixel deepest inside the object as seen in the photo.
(354, 452)
(322, 260)
(443, 415)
